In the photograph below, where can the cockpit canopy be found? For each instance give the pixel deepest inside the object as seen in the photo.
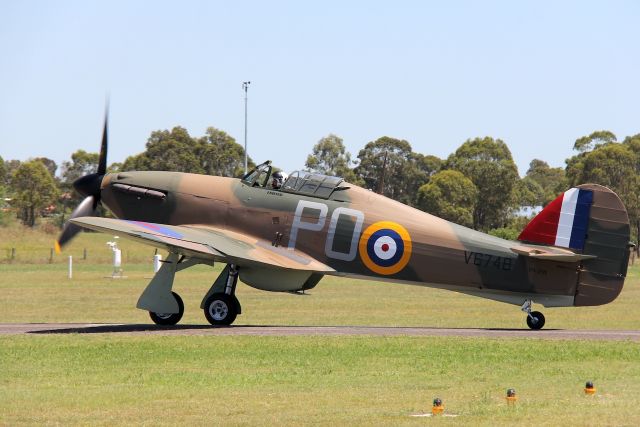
(311, 184)
(299, 182)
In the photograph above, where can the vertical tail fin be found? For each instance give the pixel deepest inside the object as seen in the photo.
(563, 222)
(591, 220)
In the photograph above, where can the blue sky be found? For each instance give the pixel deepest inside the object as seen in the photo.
(536, 74)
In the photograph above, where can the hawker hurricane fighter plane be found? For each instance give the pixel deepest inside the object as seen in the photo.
(286, 238)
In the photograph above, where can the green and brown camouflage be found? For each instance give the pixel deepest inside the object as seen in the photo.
(574, 252)
(279, 239)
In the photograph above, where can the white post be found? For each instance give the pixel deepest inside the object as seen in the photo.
(70, 267)
(117, 258)
(156, 262)
(117, 262)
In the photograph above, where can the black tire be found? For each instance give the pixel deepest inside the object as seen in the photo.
(169, 319)
(538, 323)
(221, 309)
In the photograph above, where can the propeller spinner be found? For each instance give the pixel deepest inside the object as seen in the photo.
(88, 186)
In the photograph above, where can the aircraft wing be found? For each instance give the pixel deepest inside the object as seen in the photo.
(205, 242)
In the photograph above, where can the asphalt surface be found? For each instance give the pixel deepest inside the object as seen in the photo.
(146, 329)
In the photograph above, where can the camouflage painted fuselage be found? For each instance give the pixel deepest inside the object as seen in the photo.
(426, 251)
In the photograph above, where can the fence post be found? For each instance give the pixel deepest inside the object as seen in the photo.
(70, 267)
(13, 254)
(51, 256)
(84, 254)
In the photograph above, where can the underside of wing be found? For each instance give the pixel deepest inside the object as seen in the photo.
(209, 243)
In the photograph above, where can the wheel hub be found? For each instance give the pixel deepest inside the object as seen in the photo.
(218, 310)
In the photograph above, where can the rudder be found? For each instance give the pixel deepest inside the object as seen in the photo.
(608, 233)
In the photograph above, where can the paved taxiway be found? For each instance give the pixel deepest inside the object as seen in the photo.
(139, 329)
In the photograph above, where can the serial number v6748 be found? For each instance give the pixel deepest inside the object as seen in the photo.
(488, 261)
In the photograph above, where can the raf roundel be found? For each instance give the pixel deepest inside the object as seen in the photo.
(385, 247)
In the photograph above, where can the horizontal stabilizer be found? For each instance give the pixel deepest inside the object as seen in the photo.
(550, 254)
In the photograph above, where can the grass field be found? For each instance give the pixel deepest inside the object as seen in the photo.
(35, 246)
(118, 379)
(213, 380)
(43, 293)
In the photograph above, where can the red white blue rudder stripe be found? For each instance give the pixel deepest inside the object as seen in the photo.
(563, 222)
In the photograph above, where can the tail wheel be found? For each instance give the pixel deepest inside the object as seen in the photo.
(535, 320)
(169, 318)
(221, 309)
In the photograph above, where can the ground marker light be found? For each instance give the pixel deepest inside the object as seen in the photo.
(589, 389)
(438, 407)
(511, 395)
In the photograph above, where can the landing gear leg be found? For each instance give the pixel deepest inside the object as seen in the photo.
(164, 306)
(220, 305)
(535, 319)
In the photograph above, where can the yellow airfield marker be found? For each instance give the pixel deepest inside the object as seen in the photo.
(438, 407)
(589, 389)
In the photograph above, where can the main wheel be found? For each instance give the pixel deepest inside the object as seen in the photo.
(221, 309)
(537, 322)
(169, 318)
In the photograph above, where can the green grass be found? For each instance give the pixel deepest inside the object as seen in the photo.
(116, 379)
(43, 293)
(34, 290)
(214, 380)
(35, 245)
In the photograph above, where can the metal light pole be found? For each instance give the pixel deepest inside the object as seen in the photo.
(245, 87)
(384, 170)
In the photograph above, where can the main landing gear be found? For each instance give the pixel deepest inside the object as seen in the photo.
(535, 319)
(165, 307)
(220, 305)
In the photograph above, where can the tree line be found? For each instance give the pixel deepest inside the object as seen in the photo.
(477, 186)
